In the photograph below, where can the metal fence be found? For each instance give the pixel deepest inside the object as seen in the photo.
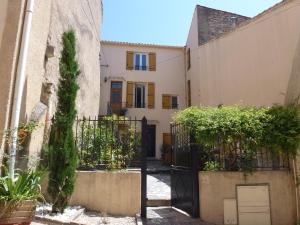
(222, 157)
(108, 142)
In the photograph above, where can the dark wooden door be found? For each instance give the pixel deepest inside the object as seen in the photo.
(151, 140)
(116, 97)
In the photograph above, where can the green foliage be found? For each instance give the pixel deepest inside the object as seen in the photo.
(25, 186)
(211, 166)
(62, 151)
(106, 144)
(276, 129)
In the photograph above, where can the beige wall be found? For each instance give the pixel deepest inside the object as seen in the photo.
(253, 65)
(168, 79)
(114, 193)
(11, 12)
(3, 15)
(50, 19)
(214, 187)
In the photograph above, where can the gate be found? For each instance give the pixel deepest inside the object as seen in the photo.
(184, 171)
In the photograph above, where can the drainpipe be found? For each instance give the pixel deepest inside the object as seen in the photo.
(19, 85)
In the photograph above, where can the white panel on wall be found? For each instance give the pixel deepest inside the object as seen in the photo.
(230, 212)
(253, 205)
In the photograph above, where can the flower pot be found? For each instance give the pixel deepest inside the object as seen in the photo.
(19, 214)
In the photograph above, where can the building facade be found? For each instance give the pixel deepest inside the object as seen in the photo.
(140, 80)
(50, 18)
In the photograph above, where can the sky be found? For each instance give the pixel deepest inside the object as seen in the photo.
(164, 22)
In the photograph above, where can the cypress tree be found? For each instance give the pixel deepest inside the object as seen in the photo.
(62, 150)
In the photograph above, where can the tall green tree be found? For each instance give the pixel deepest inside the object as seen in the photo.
(62, 150)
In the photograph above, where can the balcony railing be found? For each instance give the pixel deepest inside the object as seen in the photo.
(120, 108)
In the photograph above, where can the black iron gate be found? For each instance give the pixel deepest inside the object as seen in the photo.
(184, 171)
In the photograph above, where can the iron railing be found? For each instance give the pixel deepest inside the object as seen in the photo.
(108, 142)
(220, 156)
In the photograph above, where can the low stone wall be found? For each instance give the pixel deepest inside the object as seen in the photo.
(216, 186)
(115, 193)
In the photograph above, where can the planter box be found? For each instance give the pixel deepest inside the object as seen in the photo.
(21, 214)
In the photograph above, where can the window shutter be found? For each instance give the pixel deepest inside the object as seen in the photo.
(129, 61)
(129, 99)
(188, 58)
(151, 95)
(189, 97)
(166, 101)
(152, 61)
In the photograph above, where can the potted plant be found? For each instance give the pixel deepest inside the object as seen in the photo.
(18, 197)
(24, 132)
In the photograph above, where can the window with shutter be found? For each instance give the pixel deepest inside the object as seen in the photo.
(129, 99)
(166, 102)
(151, 95)
(152, 61)
(189, 95)
(129, 60)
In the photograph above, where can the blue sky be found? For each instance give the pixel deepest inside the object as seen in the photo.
(164, 22)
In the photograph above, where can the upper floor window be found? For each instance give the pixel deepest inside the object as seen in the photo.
(140, 61)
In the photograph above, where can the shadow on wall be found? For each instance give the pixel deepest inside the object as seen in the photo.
(293, 89)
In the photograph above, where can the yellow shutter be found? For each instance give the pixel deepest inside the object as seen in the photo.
(129, 61)
(189, 59)
(166, 101)
(129, 99)
(151, 95)
(152, 61)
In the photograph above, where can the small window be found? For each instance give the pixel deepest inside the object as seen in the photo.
(140, 61)
(174, 102)
(169, 102)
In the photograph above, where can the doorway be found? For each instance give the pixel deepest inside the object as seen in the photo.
(152, 141)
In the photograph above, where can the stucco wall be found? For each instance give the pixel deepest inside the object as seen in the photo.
(50, 19)
(251, 65)
(214, 187)
(11, 12)
(85, 17)
(168, 79)
(115, 193)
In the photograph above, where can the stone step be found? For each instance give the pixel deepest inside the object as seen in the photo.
(158, 202)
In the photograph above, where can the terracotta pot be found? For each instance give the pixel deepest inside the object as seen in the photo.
(21, 214)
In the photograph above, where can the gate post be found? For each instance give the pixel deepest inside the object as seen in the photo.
(195, 180)
(144, 169)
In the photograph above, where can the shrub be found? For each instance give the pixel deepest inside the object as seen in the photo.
(276, 129)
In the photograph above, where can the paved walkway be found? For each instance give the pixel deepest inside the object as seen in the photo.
(158, 187)
(169, 216)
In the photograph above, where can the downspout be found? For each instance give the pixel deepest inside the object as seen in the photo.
(19, 85)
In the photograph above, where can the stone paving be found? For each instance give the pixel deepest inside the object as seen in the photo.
(169, 216)
(158, 187)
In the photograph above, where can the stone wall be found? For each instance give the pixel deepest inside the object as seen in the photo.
(213, 23)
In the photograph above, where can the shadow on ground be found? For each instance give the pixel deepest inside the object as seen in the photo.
(169, 216)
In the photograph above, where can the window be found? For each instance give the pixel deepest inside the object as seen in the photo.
(170, 102)
(174, 102)
(139, 93)
(140, 61)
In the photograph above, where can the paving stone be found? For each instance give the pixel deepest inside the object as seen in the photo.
(169, 216)
(158, 186)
